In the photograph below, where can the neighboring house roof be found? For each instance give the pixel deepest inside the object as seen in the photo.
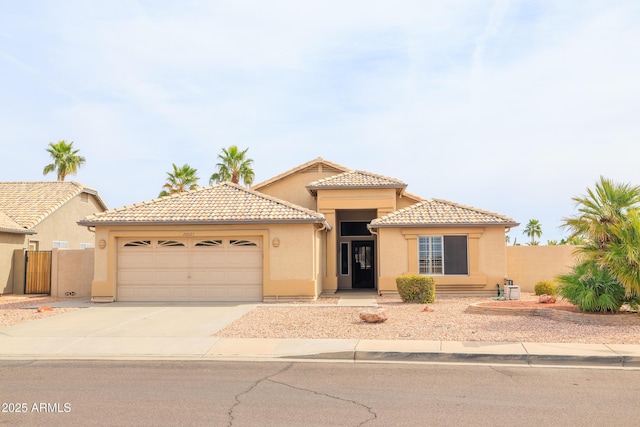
(28, 203)
(7, 225)
(313, 164)
(356, 180)
(224, 203)
(411, 196)
(437, 212)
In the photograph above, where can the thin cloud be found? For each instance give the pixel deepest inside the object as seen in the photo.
(497, 14)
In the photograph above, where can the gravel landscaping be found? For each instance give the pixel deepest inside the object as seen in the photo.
(446, 320)
(15, 310)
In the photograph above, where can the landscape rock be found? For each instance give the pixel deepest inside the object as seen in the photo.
(547, 299)
(44, 308)
(373, 316)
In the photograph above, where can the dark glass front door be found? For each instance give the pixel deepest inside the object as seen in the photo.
(362, 264)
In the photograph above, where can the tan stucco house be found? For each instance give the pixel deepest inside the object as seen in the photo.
(317, 228)
(40, 216)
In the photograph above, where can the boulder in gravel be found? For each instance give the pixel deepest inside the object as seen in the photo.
(44, 308)
(547, 299)
(373, 316)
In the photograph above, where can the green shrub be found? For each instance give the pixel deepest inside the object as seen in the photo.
(545, 287)
(593, 288)
(415, 288)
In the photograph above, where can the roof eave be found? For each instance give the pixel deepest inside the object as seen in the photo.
(17, 231)
(199, 222)
(488, 224)
(314, 190)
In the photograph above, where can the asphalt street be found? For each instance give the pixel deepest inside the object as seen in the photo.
(220, 393)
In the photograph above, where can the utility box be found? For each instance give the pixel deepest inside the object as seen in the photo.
(511, 292)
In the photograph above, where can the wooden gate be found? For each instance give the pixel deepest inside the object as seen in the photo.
(37, 272)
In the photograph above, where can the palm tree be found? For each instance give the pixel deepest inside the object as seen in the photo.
(601, 210)
(180, 180)
(622, 256)
(608, 223)
(533, 230)
(66, 160)
(233, 167)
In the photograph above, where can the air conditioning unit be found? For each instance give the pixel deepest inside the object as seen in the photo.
(511, 292)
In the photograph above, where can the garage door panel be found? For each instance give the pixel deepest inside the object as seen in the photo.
(208, 260)
(129, 277)
(240, 292)
(171, 259)
(244, 276)
(216, 270)
(140, 260)
(241, 260)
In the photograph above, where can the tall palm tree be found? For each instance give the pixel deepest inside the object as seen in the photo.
(533, 230)
(608, 222)
(233, 166)
(182, 179)
(66, 160)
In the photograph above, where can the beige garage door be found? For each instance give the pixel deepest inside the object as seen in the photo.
(189, 269)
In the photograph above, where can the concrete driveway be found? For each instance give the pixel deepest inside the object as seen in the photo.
(124, 329)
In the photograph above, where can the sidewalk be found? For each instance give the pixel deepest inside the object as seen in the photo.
(183, 332)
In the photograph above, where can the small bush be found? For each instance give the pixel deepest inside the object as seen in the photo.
(545, 287)
(415, 288)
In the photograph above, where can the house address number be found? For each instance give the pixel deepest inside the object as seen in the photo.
(191, 234)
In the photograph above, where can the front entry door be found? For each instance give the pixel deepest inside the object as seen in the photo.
(362, 264)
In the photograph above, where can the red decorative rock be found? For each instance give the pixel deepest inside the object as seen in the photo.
(373, 316)
(546, 299)
(44, 308)
(427, 308)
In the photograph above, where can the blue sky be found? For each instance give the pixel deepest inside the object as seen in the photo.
(508, 106)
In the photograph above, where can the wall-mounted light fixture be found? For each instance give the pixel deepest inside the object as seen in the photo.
(275, 242)
(102, 244)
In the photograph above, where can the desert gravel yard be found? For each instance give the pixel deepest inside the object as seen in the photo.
(15, 310)
(446, 320)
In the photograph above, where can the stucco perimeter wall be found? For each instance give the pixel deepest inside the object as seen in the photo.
(9, 244)
(71, 272)
(527, 265)
(290, 267)
(398, 255)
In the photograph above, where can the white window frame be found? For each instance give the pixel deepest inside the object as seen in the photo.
(60, 244)
(430, 268)
(87, 246)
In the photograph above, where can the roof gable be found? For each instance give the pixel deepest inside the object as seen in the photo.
(325, 165)
(437, 212)
(29, 203)
(356, 180)
(224, 203)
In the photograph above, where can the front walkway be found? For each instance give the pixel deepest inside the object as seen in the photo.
(357, 299)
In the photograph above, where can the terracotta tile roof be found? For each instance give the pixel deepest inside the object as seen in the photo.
(357, 180)
(326, 165)
(224, 203)
(7, 225)
(412, 196)
(28, 203)
(436, 212)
